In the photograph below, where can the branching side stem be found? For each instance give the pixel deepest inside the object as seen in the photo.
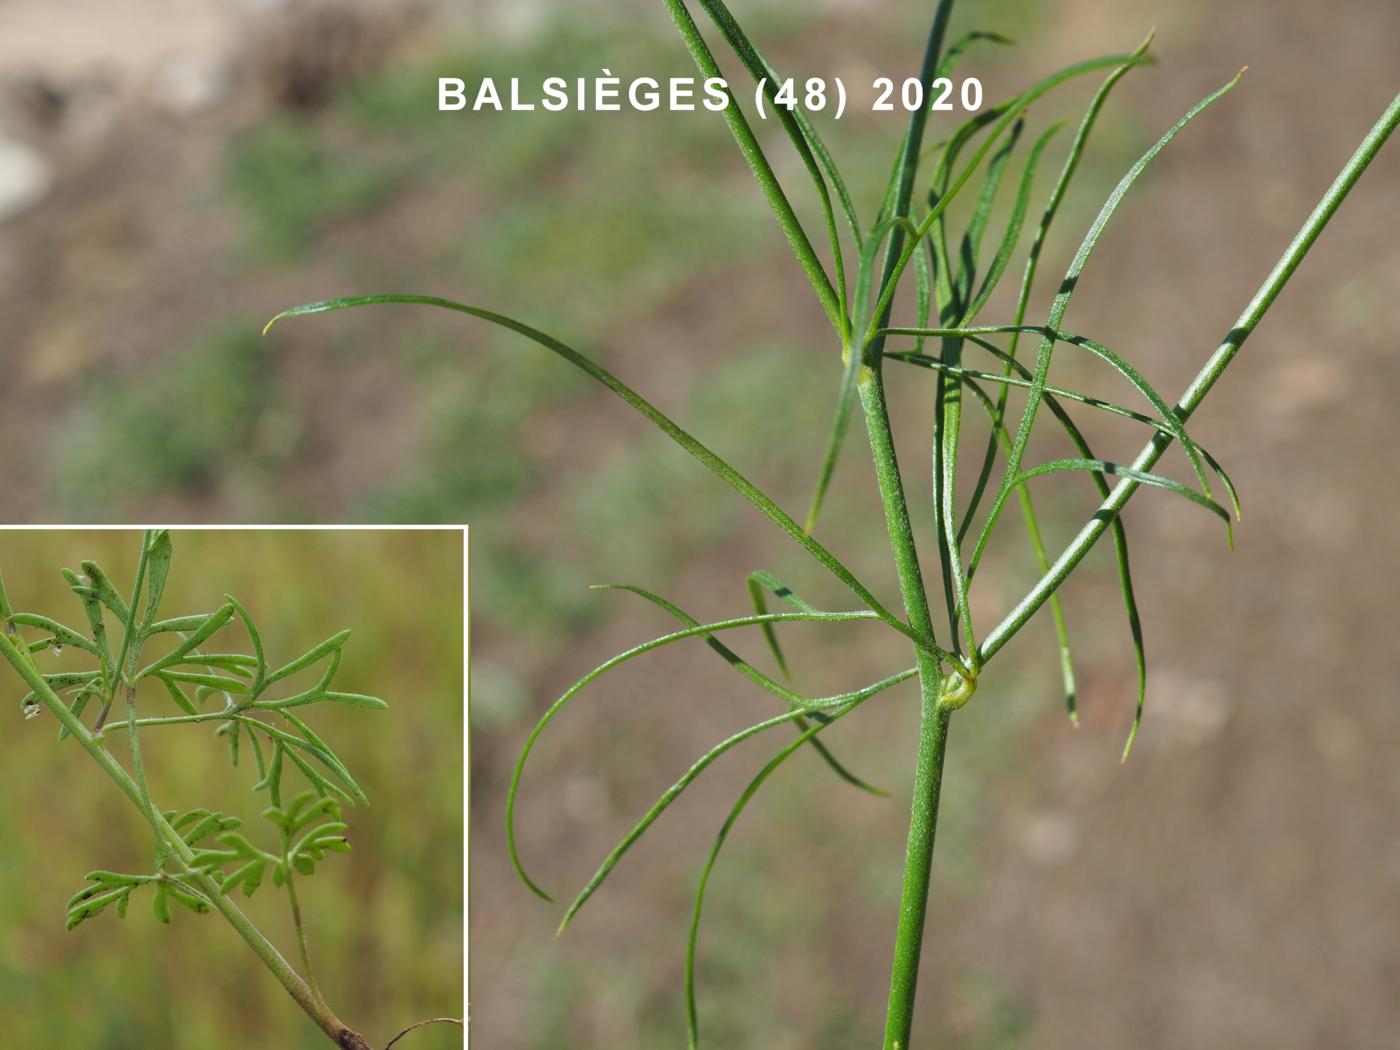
(252, 936)
(1200, 386)
(301, 930)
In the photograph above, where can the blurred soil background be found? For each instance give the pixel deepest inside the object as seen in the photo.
(384, 922)
(177, 173)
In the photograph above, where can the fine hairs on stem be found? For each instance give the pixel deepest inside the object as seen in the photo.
(910, 233)
(201, 856)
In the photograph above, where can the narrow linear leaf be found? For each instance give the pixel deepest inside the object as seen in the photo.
(1121, 558)
(810, 150)
(699, 451)
(603, 668)
(770, 636)
(331, 645)
(186, 896)
(661, 805)
(322, 752)
(758, 678)
(692, 1014)
(65, 680)
(62, 635)
(212, 623)
(310, 695)
(311, 810)
(5, 610)
(959, 47)
(321, 783)
(182, 701)
(320, 839)
(880, 316)
(160, 903)
(316, 748)
(80, 702)
(1072, 275)
(218, 683)
(233, 730)
(92, 610)
(259, 659)
(372, 703)
(1170, 424)
(272, 778)
(159, 553)
(970, 248)
(180, 624)
(759, 165)
(235, 663)
(1142, 477)
(1012, 234)
(674, 791)
(851, 363)
(1037, 545)
(258, 757)
(758, 582)
(106, 592)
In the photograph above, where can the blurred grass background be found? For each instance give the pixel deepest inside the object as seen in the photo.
(385, 921)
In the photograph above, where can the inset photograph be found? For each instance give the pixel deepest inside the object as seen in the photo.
(234, 788)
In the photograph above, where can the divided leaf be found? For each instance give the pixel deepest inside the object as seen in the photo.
(111, 887)
(196, 824)
(310, 828)
(248, 863)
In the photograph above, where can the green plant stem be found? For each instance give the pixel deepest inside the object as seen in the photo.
(762, 170)
(918, 866)
(933, 722)
(171, 720)
(459, 1022)
(933, 719)
(129, 628)
(1200, 386)
(262, 947)
(143, 789)
(119, 672)
(301, 931)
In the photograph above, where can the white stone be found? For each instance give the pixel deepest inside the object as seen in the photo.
(191, 84)
(25, 178)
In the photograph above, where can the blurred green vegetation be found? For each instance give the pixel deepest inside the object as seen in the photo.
(591, 227)
(290, 180)
(385, 921)
(211, 412)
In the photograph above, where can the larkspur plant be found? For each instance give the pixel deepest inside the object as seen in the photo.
(949, 298)
(201, 855)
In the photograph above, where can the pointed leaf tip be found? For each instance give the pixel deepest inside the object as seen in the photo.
(1132, 736)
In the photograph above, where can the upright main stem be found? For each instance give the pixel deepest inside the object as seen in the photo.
(933, 723)
(933, 716)
(918, 866)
